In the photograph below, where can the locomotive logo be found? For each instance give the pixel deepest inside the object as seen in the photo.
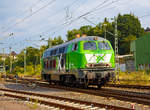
(96, 58)
(100, 58)
(59, 62)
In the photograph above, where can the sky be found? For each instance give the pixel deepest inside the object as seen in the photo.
(23, 22)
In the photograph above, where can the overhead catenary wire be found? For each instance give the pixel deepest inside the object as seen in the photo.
(72, 3)
(89, 21)
(92, 10)
(109, 8)
(23, 12)
(96, 13)
(68, 6)
(100, 8)
(59, 11)
(69, 22)
(79, 5)
(87, 12)
(22, 20)
(60, 25)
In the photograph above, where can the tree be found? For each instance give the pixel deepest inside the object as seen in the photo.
(1, 61)
(32, 56)
(72, 34)
(128, 26)
(97, 31)
(43, 48)
(126, 43)
(20, 59)
(110, 31)
(56, 41)
(85, 30)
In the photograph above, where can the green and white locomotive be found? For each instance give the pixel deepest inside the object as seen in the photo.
(86, 60)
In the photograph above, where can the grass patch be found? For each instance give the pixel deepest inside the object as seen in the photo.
(134, 78)
(31, 71)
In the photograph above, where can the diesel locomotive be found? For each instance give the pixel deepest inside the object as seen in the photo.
(84, 61)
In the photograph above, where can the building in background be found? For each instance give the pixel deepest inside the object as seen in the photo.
(126, 63)
(147, 29)
(141, 51)
(3, 57)
(1, 69)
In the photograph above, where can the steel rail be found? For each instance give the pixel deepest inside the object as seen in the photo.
(128, 86)
(94, 104)
(141, 98)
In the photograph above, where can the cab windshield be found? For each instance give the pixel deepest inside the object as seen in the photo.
(104, 46)
(90, 46)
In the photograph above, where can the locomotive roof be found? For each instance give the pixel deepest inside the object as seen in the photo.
(87, 38)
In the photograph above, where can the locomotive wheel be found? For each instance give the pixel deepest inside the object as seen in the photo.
(73, 81)
(99, 86)
(86, 83)
(103, 82)
(62, 80)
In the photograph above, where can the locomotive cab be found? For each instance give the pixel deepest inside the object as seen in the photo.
(99, 62)
(98, 54)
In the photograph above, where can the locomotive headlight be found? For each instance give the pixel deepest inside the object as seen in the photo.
(89, 65)
(108, 65)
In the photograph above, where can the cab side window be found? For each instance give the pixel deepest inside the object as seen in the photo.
(75, 47)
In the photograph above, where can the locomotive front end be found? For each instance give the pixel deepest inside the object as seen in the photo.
(100, 62)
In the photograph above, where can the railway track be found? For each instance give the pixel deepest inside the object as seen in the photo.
(107, 85)
(59, 102)
(128, 86)
(136, 97)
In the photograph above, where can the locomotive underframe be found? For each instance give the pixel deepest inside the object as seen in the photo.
(97, 76)
(85, 77)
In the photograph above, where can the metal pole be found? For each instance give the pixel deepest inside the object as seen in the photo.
(50, 43)
(4, 69)
(116, 51)
(40, 60)
(24, 61)
(105, 30)
(10, 60)
(36, 56)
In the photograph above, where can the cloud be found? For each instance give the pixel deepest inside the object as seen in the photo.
(142, 3)
(49, 20)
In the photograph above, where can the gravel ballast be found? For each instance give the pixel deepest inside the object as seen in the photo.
(75, 95)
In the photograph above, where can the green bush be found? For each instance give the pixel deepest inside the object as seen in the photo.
(33, 70)
(30, 70)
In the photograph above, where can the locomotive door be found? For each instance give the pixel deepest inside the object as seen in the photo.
(61, 63)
